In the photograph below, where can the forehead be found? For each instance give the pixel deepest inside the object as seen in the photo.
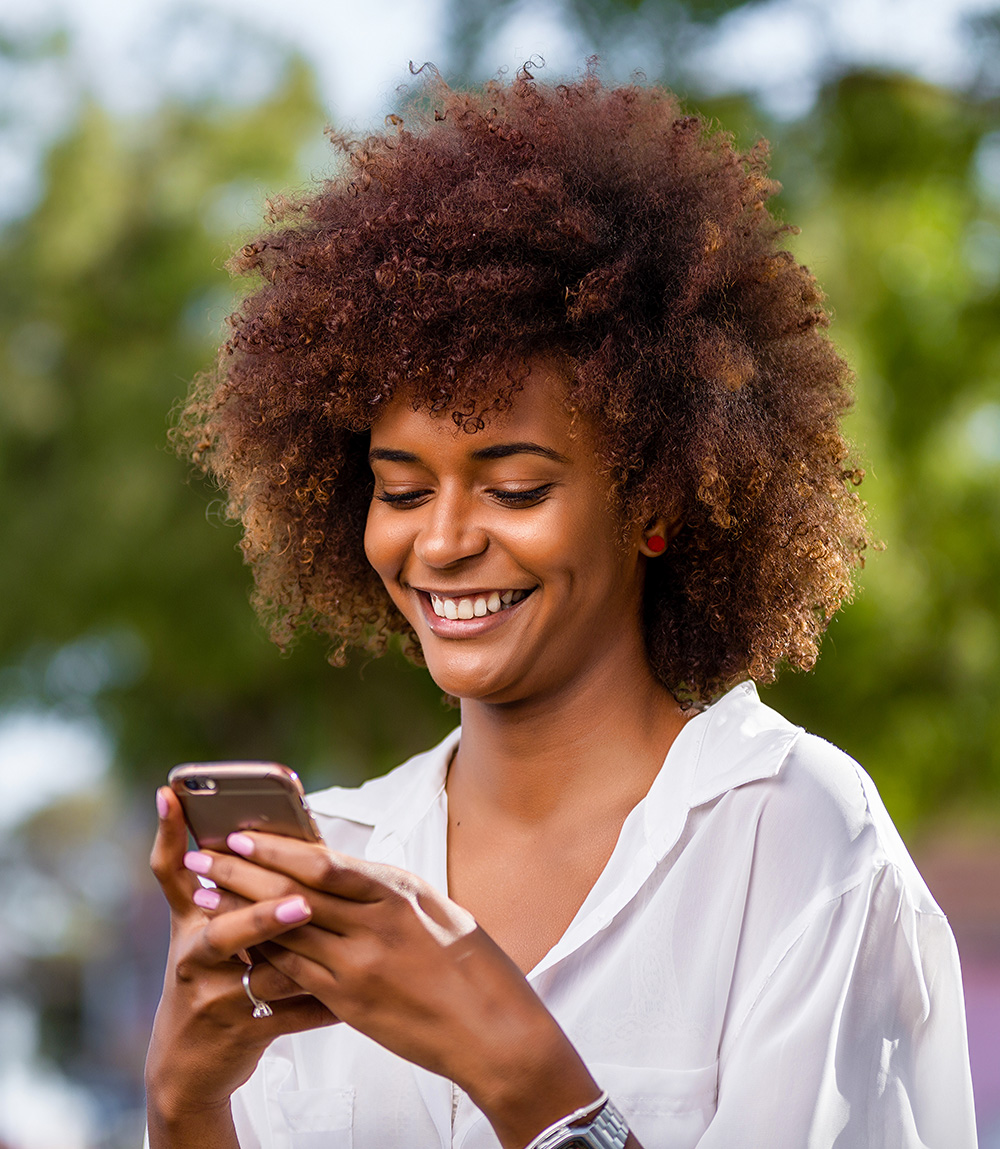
(538, 413)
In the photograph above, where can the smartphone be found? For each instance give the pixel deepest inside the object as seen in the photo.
(221, 797)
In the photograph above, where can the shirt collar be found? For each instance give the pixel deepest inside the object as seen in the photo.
(395, 803)
(735, 741)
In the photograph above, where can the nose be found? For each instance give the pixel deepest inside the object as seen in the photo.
(450, 532)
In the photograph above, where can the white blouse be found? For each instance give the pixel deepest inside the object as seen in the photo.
(759, 966)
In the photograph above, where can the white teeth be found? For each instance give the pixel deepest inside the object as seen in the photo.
(477, 607)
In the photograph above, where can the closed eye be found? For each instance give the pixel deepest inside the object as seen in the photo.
(521, 498)
(501, 495)
(401, 498)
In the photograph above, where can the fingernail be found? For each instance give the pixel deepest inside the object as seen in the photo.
(197, 863)
(240, 844)
(294, 910)
(207, 899)
(161, 804)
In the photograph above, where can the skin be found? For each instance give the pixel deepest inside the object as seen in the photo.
(205, 1042)
(563, 726)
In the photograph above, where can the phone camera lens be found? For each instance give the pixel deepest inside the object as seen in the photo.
(200, 785)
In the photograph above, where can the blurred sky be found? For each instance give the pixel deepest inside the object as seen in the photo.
(132, 53)
(361, 48)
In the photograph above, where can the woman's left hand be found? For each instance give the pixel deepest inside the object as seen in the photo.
(399, 961)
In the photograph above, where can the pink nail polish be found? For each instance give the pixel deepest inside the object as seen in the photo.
(197, 863)
(294, 910)
(240, 844)
(161, 804)
(207, 899)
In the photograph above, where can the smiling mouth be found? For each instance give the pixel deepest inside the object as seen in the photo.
(476, 606)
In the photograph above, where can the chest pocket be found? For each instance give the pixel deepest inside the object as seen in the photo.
(668, 1108)
(317, 1118)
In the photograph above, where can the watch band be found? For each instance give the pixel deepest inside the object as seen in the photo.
(606, 1130)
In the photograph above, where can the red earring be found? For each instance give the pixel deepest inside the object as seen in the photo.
(656, 543)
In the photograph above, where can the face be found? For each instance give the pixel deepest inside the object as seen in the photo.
(503, 548)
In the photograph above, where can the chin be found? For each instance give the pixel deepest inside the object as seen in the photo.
(468, 685)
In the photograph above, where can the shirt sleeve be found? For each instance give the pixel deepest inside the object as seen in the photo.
(856, 1037)
(249, 1108)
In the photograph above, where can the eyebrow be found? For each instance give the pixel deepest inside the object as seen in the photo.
(486, 454)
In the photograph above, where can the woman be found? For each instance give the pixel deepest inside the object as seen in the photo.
(535, 387)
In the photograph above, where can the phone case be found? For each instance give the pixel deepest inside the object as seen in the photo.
(221, 797)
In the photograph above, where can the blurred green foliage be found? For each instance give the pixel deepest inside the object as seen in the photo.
(896, 186)
(116, 592)
(117, 595)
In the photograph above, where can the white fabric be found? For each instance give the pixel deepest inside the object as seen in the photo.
(759, 966)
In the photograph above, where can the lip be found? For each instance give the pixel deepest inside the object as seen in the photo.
(465, 627)
(456, 594)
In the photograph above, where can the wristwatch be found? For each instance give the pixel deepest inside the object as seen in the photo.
(605, 1130)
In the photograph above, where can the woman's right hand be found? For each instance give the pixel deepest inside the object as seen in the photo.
(205, 1040)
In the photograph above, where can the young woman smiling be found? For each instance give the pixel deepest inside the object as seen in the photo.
(535, 387)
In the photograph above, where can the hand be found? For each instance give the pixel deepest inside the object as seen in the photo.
(205, 1040)
(402, 963)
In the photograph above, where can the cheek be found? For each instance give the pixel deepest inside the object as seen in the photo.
(385, 544)
(584, 541)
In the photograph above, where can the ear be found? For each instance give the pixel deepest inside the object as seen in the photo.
(656, 534)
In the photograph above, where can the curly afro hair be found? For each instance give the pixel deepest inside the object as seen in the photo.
(598, 224)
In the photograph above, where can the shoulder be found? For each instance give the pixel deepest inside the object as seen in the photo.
(824, 813)
(804, 865)
(822, 838)
(805, 812)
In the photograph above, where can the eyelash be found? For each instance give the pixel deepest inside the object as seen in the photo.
(506, 498)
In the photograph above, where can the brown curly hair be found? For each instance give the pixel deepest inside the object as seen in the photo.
(599, 224)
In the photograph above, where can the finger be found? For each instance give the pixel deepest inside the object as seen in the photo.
(230, 933)
(167, 857)
(339, 920)
(270, 984)
(313, 957)
(255, 883)
(288, 1014)
(299, 1014)
(248, 882)
(217, 901)
(315, 866)
(314, 976)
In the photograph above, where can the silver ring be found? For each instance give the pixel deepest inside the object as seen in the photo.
(260, 1008)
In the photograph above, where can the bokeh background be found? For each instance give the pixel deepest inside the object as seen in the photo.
(138, 142)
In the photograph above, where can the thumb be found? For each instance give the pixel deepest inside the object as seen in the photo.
(167, 857)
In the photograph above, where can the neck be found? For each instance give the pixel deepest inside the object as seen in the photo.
(599, 740)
